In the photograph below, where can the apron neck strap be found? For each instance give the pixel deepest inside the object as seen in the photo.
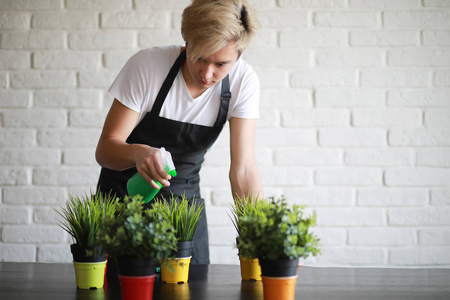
(165, 88)
(225, 95)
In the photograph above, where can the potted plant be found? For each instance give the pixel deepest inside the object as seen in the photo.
(246, 206)
(136, 238)
(278, 237)
(184, 217)
(81, 218)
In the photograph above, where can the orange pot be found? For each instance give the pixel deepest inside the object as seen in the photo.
(276, 288)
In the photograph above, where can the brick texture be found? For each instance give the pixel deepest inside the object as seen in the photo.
(355, 120)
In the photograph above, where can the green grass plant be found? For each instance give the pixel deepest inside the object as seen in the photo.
(183, 216)
(81, 217)
(245, 206)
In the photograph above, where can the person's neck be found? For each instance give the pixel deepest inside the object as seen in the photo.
(194, 91)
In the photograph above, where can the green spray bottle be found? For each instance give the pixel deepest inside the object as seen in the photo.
(137, 185)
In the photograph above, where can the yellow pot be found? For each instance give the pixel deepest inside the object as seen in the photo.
(250, 268)
(175, 270)
(90, 275)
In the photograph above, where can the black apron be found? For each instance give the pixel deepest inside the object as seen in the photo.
(186, 142)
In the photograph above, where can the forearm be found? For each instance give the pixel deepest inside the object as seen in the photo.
(113, 152)
(246, 182)
(244, 174)
(117, 155)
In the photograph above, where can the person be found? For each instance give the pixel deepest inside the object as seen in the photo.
(179, 98)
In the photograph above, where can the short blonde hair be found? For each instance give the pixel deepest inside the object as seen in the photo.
(209, 25)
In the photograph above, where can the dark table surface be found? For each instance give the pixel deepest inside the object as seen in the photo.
(48, 281)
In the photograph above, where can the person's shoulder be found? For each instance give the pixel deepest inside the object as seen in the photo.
(157, 55)
(243, 71)
(162, 50)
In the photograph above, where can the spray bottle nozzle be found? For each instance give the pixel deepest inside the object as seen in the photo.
(167, 162)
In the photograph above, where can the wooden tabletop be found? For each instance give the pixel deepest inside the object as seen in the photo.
(48, 281)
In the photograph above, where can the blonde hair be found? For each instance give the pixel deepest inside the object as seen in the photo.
(209, 25)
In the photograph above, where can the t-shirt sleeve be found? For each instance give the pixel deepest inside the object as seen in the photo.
(247, 103)
(129, 86)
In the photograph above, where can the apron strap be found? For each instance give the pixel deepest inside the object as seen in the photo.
(167, 84)
(225, 97)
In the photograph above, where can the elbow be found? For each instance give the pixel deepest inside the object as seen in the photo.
(99, 157)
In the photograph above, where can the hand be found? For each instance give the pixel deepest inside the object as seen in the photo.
(149, 164)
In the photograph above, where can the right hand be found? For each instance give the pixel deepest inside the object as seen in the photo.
(113, 152)
(149, 164)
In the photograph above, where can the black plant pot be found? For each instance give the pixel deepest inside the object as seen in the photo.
(278, 267)
(79, 253)
(184, 249)
(135, 266)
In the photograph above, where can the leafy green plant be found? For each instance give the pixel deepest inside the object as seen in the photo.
(278, 232)
(183, 216)
(136, 232)
(82, 216)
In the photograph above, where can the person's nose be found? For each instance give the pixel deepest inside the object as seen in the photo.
(208, 71)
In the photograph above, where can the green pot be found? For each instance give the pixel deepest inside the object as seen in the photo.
(90, 275)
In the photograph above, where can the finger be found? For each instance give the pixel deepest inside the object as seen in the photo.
(161, 167)
(149, 174)
(149, 179)
(159, 173)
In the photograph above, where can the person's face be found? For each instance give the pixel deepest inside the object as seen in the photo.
(204, 72)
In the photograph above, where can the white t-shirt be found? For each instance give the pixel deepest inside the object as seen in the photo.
(138, 83)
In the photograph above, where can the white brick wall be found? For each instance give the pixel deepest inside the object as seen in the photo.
(355, 120)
